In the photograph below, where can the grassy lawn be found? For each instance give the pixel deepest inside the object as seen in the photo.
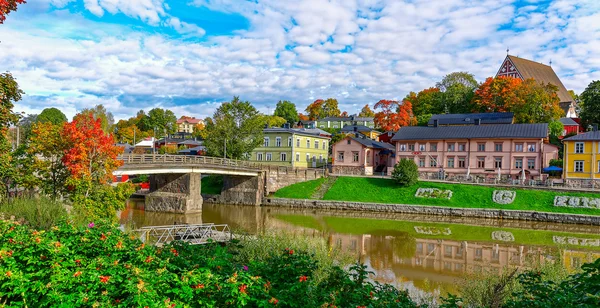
(459, 232)
(303, 190)
(211, 184)
(465, 196)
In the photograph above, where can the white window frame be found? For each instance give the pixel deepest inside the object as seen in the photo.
(266, 142)
(308, 143)
(269, 157)
(259, 156)
(307, 157)
(316, 144)
(577, 144)
(534, 163)
(278, 142)
(403, 147)
(342, 156)
(297, 156)
(298, 142)
(355, 156)
(516, 163)
(283, 156)
(324, 145)
(422, 147)
(290, 142)
(579, 163)
(531, 147)
(517, 146)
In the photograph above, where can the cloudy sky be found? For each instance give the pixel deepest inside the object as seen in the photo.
(190, 55)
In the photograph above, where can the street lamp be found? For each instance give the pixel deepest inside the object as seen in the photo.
(154, 141)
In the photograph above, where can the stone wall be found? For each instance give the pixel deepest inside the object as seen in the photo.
(174, 193)
(582, 183)
(241, 190)
(348, 170)
(279, 177)
(431, 210)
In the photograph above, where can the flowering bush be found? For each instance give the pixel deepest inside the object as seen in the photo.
(98, 265)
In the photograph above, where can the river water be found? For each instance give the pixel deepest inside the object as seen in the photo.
(424, 254)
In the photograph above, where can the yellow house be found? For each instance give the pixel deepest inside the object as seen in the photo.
(582, 158)
(365, 130)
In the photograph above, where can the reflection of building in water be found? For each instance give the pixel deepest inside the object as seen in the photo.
(573, 259)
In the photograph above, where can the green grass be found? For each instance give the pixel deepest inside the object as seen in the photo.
(301, 220)
(212, 184)
(303, 190)
(39, 213)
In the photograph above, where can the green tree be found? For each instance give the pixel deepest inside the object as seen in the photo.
(287, 110)
(48, 147)
(330, 108)
(237, 126)
(52, 115)
(427, 101)
(273, 121)
(590, 97)
(366, 112)
(163, 120)
(423, 120)
(9, 94)
(406, 172)
(106, 117)
(457, 92)
(556, 128)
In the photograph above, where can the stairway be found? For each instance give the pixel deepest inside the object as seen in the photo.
(320, 192)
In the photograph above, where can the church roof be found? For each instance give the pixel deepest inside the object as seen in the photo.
(542, 73)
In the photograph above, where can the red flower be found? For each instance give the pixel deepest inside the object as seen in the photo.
(119, 245)
(104, 279)
(243, 288)
(8, 274)
(103, 237)
(198, 286)
(174, 251)
(148, 259)
(273, 301)
(78, 262)
(77, 274)
(303, 278)
(291, 252)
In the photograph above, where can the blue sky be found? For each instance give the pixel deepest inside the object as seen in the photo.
(192, 55)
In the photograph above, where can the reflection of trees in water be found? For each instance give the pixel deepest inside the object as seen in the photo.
(386, 246)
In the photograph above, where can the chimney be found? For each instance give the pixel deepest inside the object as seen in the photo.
(286, 125)
(355, 128)
(266, 125)
(477, 121)
(436, 122)
(595, 127)
(356, 135)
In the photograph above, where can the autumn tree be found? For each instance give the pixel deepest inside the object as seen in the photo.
(7, 6)
(427, 101)
(199, 130)
(52, 115)
(236, 126)
(590, 97)
(272, 121)
(9, 94)
(323, 108)
(287, 110)
(366, 112)
(48, 148)
(302, 117)
(393, 115)
(106, 118)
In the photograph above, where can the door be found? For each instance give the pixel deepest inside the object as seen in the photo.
(314, 161)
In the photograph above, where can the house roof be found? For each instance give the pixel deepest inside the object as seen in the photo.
(542, 73)
(568, 121)
(469, 118)
(351, 118)
(194, 149)
(589, 136)
(359, 128)
(301, 131)
(190, 142)
(472, 132)
(148, 142)
(369, 143)
(190, 120)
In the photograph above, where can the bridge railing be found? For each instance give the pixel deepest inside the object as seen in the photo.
(185, 159)
(193, 234)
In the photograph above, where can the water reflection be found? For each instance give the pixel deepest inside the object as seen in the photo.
(425, 253)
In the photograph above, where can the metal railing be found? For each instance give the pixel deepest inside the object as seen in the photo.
(131, 159)
(193, 234)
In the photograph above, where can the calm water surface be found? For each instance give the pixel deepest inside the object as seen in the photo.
(425, 254)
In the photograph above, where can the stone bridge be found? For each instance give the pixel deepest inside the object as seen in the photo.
(175, 180)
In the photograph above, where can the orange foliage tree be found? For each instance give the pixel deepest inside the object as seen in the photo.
(302, 117)
(6, 6)
(393, 114)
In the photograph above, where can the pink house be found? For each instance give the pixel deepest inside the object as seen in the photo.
(491, 151)
(362, 156)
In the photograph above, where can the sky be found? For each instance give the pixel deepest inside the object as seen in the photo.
(191, 55)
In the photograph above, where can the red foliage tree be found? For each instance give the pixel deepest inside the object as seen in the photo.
(91, 154)
(315, 109)
(303, 117)
(6, 6)
(344, 114)
(393, 115)
(497, 94)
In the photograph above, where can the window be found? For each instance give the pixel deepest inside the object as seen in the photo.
(461, 162)
(579, 166)
(349, 141)
(411, 147)
(314, 158)
(433, 147)
(450, 147)
(259, 156)
(531, 163)
(462, 147)
(498, 162)
(298, 142)
(519, 147)
(447, 251)
(599, 166)
(519, 163)
(403, 148)
(278, 141)
(335, 126)
(531, 147)
(421, 161)
(419, 248)
(316, 144)
(450, 162)
(297, 156)
(269, 157)
(283, 157)
(340, 156)
(321, 158)
(422, 148)
(481, 162)
(430, 248)
(579, 147)
(478, 254)
(290, 142)
(498, 147)
(308, 143)
(266, 143)
(481, 147)
(307, 156)
(324, 144)
(433, 161)
(495, 256)
(354, 156)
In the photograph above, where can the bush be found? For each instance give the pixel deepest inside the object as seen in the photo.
(556, 163)
(93, 202)
(39, 213)
(406, 172)
(143, 178)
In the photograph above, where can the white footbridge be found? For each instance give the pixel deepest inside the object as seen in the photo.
(195, 234)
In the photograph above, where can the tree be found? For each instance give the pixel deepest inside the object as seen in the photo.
(315, 110)
(48, 147)
(105, 117)
(287, 110)
(323, 108)
(6, 6)
(302, 117)
(457, 92)
(9, 94)
(272, 121)
(556, 128)
(330, 108)
(427, 101)
(393, 115)
(237, 126)
(52, 115)
(366, 112)
(423, 120)
(199, 130)
(163, 120)
(590, 97)
(344, 114)
(25, 126)
(406, 172)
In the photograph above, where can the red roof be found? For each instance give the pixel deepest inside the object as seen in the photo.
(190, 120)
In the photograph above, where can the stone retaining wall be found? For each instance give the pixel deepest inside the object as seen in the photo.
(279, 177)
(432, 210)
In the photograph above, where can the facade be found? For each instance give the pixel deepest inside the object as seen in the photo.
(515, 151)
(571, 127)
(340, 122)
(364, 130)
(582, 159)
(173, 139)
(362, 156)
(524, 69)
(294, 147)
(471, 119)
(187, 124)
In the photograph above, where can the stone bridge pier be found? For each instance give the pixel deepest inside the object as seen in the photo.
(242, 190)
(174, 193)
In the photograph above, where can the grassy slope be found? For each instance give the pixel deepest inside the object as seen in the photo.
(212, 184)
(303, 190)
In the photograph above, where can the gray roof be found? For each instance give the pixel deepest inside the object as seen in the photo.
(359, 128)
(469, 118)
(194, 149)
(589, 136)
(472, 132)
(350, 118)
(568, 121)
(373, 144)
(301, 131)
(190, 142)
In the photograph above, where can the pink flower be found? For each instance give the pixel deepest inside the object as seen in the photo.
(245, 268)
(91, 225)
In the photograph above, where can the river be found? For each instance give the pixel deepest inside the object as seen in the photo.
(424, 254)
